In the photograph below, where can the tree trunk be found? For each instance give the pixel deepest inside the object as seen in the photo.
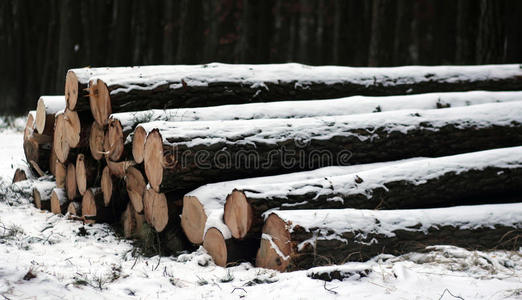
(382, 35)
(178, 158)
(490, 40)
(209, 86)
(226, 251)
(296, 240)
(59, 202)
(472, 178)
(46, 110)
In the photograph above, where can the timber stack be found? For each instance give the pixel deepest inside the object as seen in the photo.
(284, 166)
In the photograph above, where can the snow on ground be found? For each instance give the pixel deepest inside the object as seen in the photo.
(44, 256)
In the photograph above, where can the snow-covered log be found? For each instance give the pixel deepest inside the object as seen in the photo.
(77, 86)
(46, 110)
(486, 176)
(122, 124)
(205, 204)
(59, 202)
(42, 193)
(300, 239)
(138, 88)
(185, 155)
(228, 251)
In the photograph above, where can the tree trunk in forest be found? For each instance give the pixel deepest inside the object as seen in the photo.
(490, 39)
(70, 39)
(467, 22)
(382, 34)
(190, 32)
(297, 240)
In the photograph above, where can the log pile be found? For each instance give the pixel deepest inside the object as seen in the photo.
(172, 156)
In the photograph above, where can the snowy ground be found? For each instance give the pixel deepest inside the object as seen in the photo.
(44, 256)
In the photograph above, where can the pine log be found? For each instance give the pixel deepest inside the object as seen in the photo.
(199, 204)
(59, 202)
(119, 169)
(71, 187)
(95, 211)
(60, 174)
(128, 221)
(76, 87)
(300, 239)
(77, 128)
(184, 155)
(96, 139)
(464, 179)
(113, 188)
(46, 110)
(29, 124)
(22, 173)
(87, 170)
(37, 155)
(75, 208)
(138, 88)
(226, 251)
(124, 123)
(42, 194)
(158, 211)
(135, 184)
(60, 146)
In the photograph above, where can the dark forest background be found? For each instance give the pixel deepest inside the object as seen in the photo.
(40, 40)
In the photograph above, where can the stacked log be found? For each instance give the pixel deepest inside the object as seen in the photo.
(300, 239)
(181, 156)
(122, 152)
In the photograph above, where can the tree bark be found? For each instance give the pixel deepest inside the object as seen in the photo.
(268, 147)
(296, 240)
(140, 88)
(464, 179)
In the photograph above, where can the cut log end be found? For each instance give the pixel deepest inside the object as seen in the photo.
(153, 159)
(19, 175)
(71, 90)
(238, 214)
(41, 116)
(31, 149)
(119, 169)
(81, 174)
(106, 186)
(128, 221)
(193, 219)
(70, 182)
(58, 201)
(72, 128)
(275, 249)
(138, 144)
(115, 140)
(60, 174)
(74, 209)
(29, 125)
(89, 206)
(37, 198)
(135, 184)
(156, 209)
(60, 145)
(96, 137)
(100, 102)
(215, 244)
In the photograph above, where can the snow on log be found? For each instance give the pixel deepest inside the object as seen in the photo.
(122, 124)
(201, 204)
(228, 251)
(59, 201)
(77, 86)
(353, 271)
(184, 155)
(71, 187)
(301, 239)
(42, 194)
(469, 178)
(86, 172)
(146, 87)
(135, 184)
(46, 110)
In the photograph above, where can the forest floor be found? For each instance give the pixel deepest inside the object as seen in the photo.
(45, 256)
